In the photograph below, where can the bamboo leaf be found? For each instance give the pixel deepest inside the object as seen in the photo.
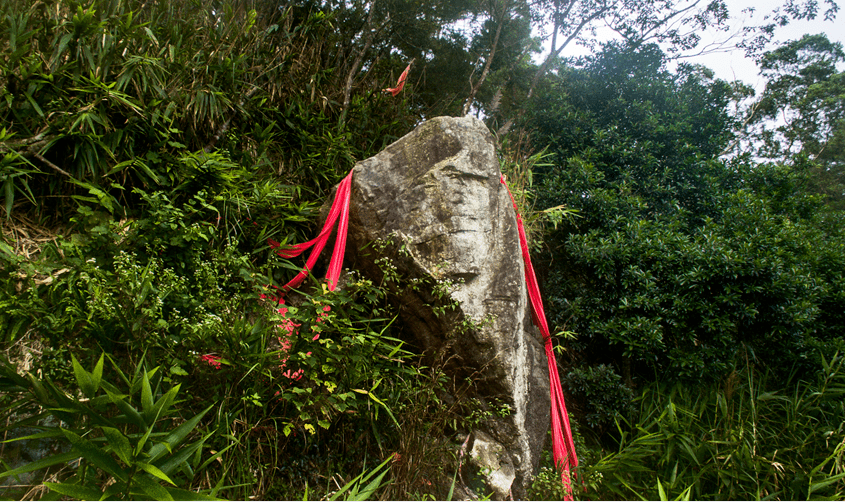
(97, 374)
(181, 494)
(823, 484)
(41, 464)
(128, 410)
(33, 104)
(84, 380)
(119, 444)
(75, 491)
(151, 487)
(9, 189)
(95, 455)
(181, 456)
(175, 438)
(147, 397)
(155, 471)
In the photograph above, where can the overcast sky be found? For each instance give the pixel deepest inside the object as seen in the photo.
(734, 65)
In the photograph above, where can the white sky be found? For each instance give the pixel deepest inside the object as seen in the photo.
(734, 65)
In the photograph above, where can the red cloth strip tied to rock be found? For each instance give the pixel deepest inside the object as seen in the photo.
(339, 210)
(563, 446)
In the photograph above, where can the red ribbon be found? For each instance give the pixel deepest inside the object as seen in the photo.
(339, 210)
(400, 84)
(563, 447)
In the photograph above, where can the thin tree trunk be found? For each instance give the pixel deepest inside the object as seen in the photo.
(486, 70)
(350, 78)
(555, 52)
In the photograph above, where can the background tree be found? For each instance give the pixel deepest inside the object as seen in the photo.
(802, 112)
(678, 260)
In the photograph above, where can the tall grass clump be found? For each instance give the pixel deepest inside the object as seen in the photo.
(755, 435)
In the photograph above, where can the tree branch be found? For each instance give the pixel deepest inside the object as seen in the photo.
(486, 70)
(54, 166)
(546, 62)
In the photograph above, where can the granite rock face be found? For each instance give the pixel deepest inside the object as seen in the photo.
(436, 196)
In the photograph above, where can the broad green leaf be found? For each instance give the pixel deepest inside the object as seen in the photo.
(95, 455)
(119, 444)
(41, 464)
(75, 491)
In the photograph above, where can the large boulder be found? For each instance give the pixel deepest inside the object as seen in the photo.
(435, 195)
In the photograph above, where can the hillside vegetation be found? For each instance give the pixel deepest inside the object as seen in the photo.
(691, 237)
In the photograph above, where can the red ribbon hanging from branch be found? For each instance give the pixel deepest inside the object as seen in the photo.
(400, 84)
(563, 447)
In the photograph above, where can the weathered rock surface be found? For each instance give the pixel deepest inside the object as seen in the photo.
(436, 195)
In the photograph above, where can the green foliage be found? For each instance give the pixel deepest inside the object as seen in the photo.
(800, 117)
(353, 491)
(804, 85)
(130, 438)
(158, 145)
(679, 258)
(755, 435)
(600, 390)
(110, 96)
(322, 370)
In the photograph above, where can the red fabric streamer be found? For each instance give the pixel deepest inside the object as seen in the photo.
(400, 84)
(563, 447)
(339, 210)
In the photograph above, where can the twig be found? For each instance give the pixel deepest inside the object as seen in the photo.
(54, 166)
(486, 71)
